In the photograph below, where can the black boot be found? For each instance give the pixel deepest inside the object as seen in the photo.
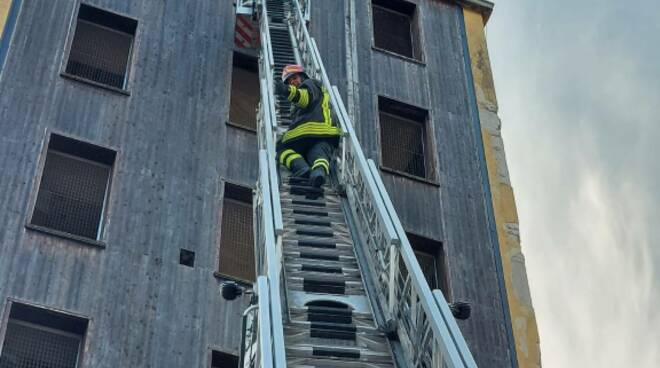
(317, 177)
(299, 168)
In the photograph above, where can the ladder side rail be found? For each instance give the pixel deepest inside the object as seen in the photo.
(264, 324)
(267, 53)
(268, 136)
(275, 197)
(454, 330)
(266, 139)
(273, 266)
(267, 65)
(413, 289)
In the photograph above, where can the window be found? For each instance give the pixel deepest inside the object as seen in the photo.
(101, 47)
(431, 257)
(404, 142)
(223, 360)
(395, 27)
(236, 237)
(73, 189)
(245, 93)
(37, 337)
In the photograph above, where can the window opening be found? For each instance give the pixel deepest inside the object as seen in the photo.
(74, 187)
(395, 27)
(245, 93)
(403, 138)
(101, 47)
(37, 337)
(431, 258)
(187, 258)
(223, 360)
(236, 238)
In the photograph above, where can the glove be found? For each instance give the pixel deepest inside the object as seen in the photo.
(281, 89)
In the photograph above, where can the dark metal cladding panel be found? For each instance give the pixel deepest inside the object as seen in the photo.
(174, 148)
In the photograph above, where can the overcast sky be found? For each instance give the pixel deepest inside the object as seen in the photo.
(578, 86)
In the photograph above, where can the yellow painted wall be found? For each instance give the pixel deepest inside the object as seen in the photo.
(4, 11)
(506, 217)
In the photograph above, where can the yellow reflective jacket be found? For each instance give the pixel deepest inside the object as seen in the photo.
(311, 115)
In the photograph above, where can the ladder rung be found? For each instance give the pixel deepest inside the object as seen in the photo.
(314, 232)
(304, 202)
(324, 269)
(338, 353)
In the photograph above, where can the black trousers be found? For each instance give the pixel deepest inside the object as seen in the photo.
(316, 152)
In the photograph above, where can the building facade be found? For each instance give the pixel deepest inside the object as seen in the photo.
(126, 195)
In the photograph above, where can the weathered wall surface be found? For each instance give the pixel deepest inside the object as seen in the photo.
(513, 262)
(452, 207)
(4, 12)
(170, 133)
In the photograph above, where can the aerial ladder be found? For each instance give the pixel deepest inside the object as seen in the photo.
(338, 284)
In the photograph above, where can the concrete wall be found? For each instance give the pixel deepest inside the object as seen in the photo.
(145, 309)
(452, 207)
(513, 262)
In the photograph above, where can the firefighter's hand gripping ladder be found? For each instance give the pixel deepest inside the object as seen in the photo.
(421, 318)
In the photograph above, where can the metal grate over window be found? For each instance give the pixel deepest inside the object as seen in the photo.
(402, 144)
(71, 195)
(101, 47)
(236, 238)
(394, 27)
(32, 346)
(73, 188)
(41, 338)
(244, 92)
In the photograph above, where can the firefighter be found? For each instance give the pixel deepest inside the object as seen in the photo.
(306, 148)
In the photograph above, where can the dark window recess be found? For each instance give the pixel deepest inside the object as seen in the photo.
(38, 337)
(403, 138)
(101, 47)
(187, 258)
(73, 187)
(236, 238)
(431, 258)
(395, 27)
(245, 93)
(223, 360)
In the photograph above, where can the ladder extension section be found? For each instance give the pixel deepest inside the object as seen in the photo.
(339, 284)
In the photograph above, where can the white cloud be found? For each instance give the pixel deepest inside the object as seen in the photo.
(579, 91)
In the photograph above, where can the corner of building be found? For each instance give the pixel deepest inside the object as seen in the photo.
(504, 207)
(4, 13)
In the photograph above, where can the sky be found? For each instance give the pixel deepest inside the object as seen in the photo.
(578, 86)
